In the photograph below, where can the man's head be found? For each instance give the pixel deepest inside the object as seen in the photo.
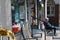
(46, 19)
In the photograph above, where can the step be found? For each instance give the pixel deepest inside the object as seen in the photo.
(56, 37)
(31, 39)
(18, 37)
(48, 37)
(52, 34)
(58, 31)
(37, 33)
(39, 38)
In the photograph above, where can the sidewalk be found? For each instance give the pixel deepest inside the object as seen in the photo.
(48, 37)
(37, 33)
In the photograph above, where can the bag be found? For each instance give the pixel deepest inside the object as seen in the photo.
(15, 29)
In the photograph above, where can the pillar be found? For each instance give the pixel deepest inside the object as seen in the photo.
(5, 14)
(45, 8)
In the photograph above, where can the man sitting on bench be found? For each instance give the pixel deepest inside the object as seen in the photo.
(48, 26)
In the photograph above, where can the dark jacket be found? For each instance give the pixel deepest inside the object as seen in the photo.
(47, 25)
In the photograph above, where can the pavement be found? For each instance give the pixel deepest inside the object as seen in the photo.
(47, 37)
(40, 35)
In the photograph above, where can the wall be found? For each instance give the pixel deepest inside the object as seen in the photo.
(59, 15)
(59, 12)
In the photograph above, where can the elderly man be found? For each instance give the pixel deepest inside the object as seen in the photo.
(48, 26)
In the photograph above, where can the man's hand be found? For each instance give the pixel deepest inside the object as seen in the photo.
(41, 22)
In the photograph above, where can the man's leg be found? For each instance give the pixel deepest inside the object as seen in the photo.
(54, 31)
(31, 31)
(22, 33)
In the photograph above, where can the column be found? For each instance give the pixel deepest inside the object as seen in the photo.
(36, 9)
(8, 14)
(0, 14)
(45, 8)
(5, 14)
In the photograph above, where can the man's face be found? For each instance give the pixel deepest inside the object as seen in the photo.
(47, 20)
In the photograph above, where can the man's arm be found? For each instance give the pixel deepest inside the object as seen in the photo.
(49, 24)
